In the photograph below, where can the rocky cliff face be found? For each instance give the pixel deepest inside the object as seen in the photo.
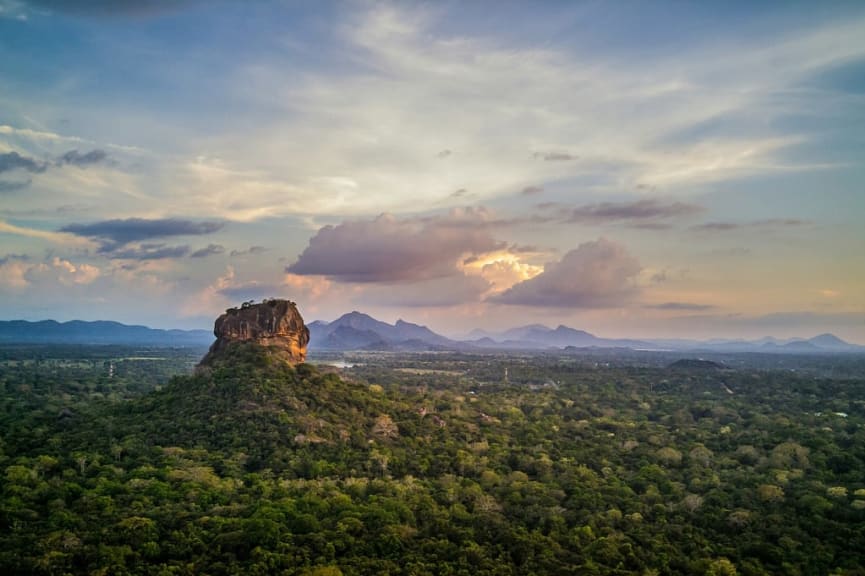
(275, 324)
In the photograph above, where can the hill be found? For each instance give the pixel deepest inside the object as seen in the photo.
(249, 400)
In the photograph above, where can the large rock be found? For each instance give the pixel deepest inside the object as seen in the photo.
(275, 324)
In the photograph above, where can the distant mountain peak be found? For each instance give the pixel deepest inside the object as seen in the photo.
(538, 327)
(356, 330)
(355, 314)
(828, 340)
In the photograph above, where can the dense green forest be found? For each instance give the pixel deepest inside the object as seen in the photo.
(427, 464)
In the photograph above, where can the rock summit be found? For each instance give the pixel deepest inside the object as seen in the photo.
(275, 324)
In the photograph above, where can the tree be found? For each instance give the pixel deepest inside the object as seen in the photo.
(721, 567)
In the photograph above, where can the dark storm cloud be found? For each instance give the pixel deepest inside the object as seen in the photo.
(150, 252)
(115, 233)
(209, 250)
(76, 158)
(640, 212)
(598, 274)
(682, 306)
(14, 161)
(389, 250)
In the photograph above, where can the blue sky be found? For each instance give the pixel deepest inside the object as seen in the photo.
(635, 169)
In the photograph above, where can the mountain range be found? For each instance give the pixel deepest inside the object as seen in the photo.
(358, 331)
(354, 331)
(98, 332)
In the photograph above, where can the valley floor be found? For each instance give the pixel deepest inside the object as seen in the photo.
(122, 461)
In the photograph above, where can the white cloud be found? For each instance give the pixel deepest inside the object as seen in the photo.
(369, 138)
(18, 273)
(69, 273)
(54, 237)
(13, 273)
(415, 92)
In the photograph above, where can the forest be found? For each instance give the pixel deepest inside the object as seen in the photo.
(120, 461)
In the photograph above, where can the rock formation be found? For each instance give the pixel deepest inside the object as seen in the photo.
(275, 324)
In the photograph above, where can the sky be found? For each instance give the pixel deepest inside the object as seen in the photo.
(634, 169)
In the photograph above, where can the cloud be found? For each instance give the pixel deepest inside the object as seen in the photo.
(681, 306)
(717, 226)
(532, 190)
(393, 250)
(554, 156)
(523, 249)
(444, 154)
(645, 212)
(13, 9)
(599, 274)
(30, 134)
(148, 251)
(506, 272)
(63, 238)
(764, 224)
(70, 273)
(659, 277)
(209, 250)
(521, 113)
(311, 288)
(14, 161)
(19, 272)
(53, 138)
(75, 158)
(13, 271)
(115, 233)
(249, 251)
(13, 186)
(111, 8)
